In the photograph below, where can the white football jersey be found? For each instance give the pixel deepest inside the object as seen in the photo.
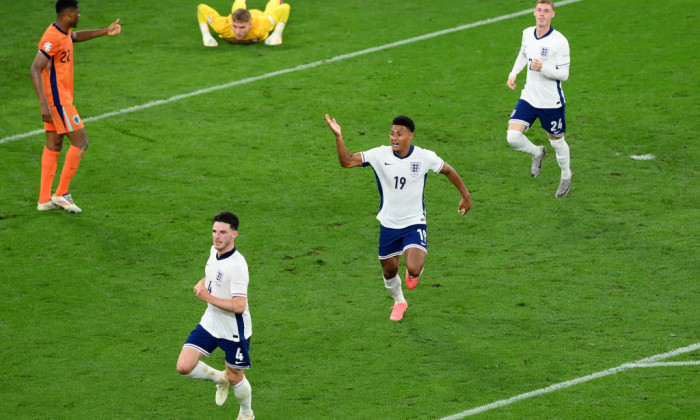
(552, 50)
(227, 278)
(401, 183)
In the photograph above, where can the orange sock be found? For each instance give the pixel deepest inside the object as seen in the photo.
(49, 161)
(69, 167)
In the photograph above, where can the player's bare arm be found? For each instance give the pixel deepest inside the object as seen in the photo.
(113, 29)
(466, 202)
(40, 61)
(347, 160)
(511, 82)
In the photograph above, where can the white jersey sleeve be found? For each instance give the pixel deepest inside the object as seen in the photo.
(401, 183)
(543, 88)
(226, 278)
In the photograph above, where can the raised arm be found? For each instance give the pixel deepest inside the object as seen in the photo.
(114, 29)
(466, 202)
(346, 159)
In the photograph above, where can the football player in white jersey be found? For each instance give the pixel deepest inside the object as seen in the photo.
(545, 52)
(226, 321)
(401, 170)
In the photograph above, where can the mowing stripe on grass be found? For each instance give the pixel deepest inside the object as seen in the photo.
(291, 70)
(648, 362)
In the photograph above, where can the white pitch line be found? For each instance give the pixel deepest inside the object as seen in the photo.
(663, 364)
(289, 70)
(648, 362)
(643, 157)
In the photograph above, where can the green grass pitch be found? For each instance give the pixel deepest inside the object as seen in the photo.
(524, 292)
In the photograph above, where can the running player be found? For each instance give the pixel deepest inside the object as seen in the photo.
(244, 26)
(401, 170)
(226, 322)
(52, 76)
(545, 52)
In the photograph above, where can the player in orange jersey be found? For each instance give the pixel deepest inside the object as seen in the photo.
(52, 76)
(244, 26)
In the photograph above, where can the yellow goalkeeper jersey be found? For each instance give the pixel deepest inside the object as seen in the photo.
(261, 26)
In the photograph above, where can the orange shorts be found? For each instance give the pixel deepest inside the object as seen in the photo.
(65, 120)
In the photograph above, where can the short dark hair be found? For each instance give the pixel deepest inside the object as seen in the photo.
(405, 121)
(62, 5)
(227, 217)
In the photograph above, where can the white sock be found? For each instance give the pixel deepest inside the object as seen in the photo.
(205, 30)
(243, 393)
(521, 143)
(393, 285)
(562, 149)
(204, 371)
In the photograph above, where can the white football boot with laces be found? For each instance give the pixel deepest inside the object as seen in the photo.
(537, 162)
(66, 201)
(564, 187)
(222, 389)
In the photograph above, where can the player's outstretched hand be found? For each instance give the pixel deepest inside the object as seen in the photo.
(335, 127)
(114, 29)
(464, 205)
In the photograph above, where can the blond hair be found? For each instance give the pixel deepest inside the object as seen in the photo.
(549, 2)
(241, 15)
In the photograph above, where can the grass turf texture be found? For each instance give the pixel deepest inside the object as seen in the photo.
(524, 292)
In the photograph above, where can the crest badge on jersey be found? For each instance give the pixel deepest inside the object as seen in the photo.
(544, 51)
(47, 46)
(219, 277)
(415, 168)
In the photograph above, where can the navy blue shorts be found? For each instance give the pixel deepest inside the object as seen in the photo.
(237, 356)
(393, 242)
(551, 119)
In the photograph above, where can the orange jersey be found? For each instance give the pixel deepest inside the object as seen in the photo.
(57, 76)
